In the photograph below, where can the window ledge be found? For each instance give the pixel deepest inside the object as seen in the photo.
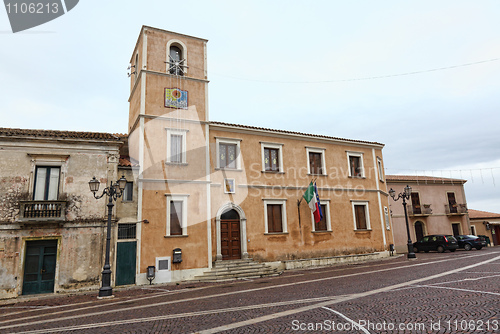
(176, 236)
(230, 169)
(176, 163)
(327, 231)
(365, 230)
(357, 177)
(276, 233)
(272, 172)
(317, 174)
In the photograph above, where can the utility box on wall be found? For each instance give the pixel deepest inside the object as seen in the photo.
(177, 258)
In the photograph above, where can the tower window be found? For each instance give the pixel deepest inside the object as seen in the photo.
(176, 61)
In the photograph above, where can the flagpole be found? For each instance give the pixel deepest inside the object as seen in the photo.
(298, 207)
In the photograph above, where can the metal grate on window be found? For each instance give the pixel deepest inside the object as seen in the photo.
(126, 231)
(163, 265)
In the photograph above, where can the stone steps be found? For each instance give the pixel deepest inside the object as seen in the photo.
(236, 269)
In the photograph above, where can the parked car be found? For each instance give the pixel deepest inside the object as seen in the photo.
(468, 242)
(436, 242)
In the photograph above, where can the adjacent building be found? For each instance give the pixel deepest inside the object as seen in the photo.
(437, 206)
(51, 227)
(486, 224)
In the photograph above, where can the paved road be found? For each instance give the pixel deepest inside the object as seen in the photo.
(437, 293)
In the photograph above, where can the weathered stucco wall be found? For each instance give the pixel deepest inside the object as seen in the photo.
(80, 234)
(253, 186)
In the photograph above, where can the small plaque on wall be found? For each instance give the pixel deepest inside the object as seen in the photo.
(176, 98)
(229, 186)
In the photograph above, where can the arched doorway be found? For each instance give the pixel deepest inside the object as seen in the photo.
(419, 230)
(230, 235)
(231, 232)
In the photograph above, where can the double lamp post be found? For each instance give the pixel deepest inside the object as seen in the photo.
(114, 191)
(405, 195)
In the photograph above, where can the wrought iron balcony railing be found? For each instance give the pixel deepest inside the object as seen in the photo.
(420, 210)
(42, 211)
(455, 209)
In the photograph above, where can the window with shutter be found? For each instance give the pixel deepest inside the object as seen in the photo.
(315, 163)
(415, 203)
(322, 225)
(360, 216)
(274, 218)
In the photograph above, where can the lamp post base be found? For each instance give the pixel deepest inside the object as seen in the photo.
(106, 291)
(411, 253)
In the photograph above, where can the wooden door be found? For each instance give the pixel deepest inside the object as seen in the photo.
(419, 230)
(230, 239)
(452, 203)
(40, 267)
(125, 262)
(456, 229)
(496, 236)
(415, 203)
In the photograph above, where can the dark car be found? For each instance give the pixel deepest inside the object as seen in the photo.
(468, 242)
(437, 242)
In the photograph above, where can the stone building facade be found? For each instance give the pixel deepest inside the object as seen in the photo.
(51, 227)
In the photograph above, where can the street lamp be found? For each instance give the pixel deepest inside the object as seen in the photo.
(114, 191)
(405, 195)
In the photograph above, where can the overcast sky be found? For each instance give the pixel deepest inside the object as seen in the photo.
(422, 77)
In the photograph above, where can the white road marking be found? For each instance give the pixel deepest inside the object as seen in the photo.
(346, 298)
(108, 311)
(458, 289)
(354, 323)
(465, 279)
(181, 315)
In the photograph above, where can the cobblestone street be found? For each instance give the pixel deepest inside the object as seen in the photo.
(436, 293)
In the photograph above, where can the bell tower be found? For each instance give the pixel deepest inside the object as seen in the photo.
(168, 137)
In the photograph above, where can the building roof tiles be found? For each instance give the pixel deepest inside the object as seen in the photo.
(292, 133)
(421, 178)
(477, 214)
(12, 132)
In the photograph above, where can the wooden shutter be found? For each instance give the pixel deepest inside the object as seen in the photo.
(415, 202)
(315, 163)
(274, 220)
(355, 166)
(321, 225)
(452, 203)
(360, 212)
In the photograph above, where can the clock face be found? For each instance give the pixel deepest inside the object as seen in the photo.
(176, 93)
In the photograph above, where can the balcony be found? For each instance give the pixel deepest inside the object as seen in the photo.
(419, 210)
(42, 211)
(455, 209)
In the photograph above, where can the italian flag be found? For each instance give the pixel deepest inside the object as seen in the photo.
(312, 198)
